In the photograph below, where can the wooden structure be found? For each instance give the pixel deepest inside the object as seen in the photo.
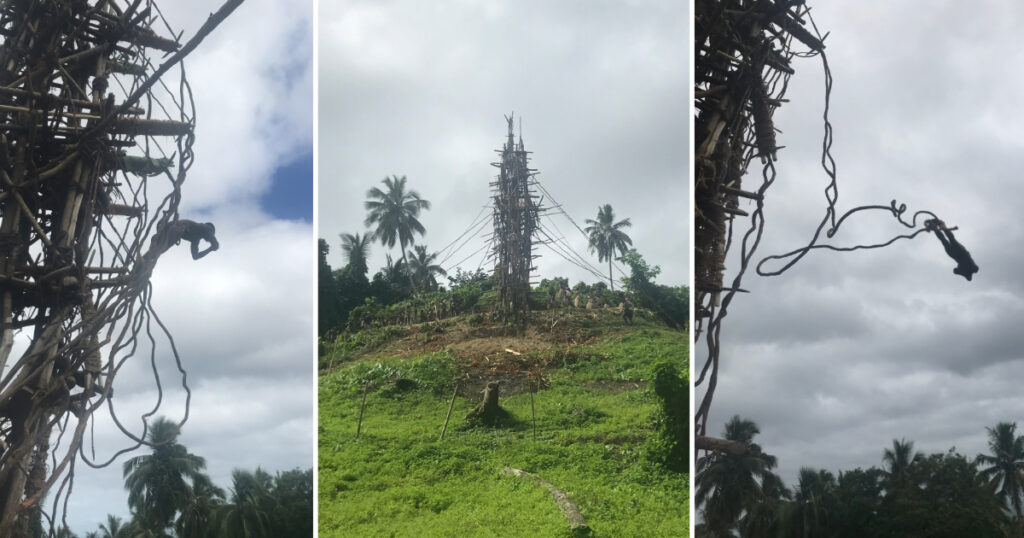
(94, 149)
(743, 61)
(516, 212)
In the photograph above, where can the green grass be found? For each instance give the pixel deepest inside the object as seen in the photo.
(593, 439)
(623, 357)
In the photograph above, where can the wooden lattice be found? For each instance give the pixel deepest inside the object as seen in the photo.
(742, 64)
(94, 148)
(516, 211)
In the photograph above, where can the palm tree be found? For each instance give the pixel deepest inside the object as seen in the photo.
(728, 484)
(356, 250)
(761, 520)
(248, 514)
(606, 236)
(898, 460)
(1006, 464)
(394, 214)
(422, 268)
(114, 528)
(64, 532)
(137, 528)
(814, 504)
(196, 518)
(392, 271)
(157, 482)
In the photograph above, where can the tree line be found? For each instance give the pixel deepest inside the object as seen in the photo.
(911, 495)
(349, 297)
(169, 495)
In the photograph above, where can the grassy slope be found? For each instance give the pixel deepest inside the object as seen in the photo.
(593, 424)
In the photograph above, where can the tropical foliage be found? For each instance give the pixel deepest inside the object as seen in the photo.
(394, 213)
(158, 483)
(423, 269)
(595, 440)
(911, 494)
(672, 387)
(670, 303)
(727, 485)
(357, 250)
(352, 298)
(1005, 467)
(606, 237)
(169, 495)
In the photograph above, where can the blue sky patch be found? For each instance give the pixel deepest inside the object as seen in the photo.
(291, 190)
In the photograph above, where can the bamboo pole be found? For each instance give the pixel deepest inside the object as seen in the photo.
(211, 22)
(334, 356)
(362, 407)
(533, 411)
(9, 226)
(450, 406)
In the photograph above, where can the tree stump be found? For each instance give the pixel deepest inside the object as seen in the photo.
(489, 412)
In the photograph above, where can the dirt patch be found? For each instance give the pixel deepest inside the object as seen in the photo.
(484, 353)
(494, 348)
(516, 373)
(548, 330)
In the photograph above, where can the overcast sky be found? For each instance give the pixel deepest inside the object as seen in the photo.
(241, 317)
(420, 89)
(847, 351)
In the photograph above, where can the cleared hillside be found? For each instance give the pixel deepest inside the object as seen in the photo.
(596, 438)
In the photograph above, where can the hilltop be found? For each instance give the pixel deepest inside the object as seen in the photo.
(585, 373)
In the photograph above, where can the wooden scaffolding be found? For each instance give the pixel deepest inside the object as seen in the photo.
(516, 210)
(742, 65)
(94, 148)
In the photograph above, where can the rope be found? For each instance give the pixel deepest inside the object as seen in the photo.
(476, 221)
(475, 228)
(568, 258)
(561, 209)
(118, 315)
(739, 136)
(828, 163)
(896, 211)
(475, 252)
(569, 253)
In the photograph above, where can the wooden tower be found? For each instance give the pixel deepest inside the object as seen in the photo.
(743, 59)
(515, 221)
(94, 148)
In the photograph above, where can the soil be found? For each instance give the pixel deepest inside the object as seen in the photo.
(548, 330)
(486, 354)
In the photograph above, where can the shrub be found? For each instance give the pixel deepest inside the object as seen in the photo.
(670, 304)
(539, 299)
(671, 447)
(435, 372)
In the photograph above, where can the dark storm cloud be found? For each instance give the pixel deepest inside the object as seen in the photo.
(847, 351)
(419, 89)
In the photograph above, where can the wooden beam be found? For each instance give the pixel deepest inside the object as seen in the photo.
(736, 448)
